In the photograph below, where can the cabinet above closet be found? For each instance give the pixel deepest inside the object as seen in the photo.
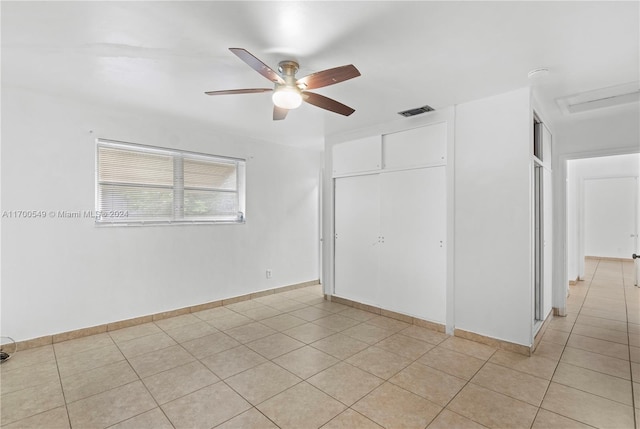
(425, 146)
(357, 156)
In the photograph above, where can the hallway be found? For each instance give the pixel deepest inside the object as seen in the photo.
(598, 375)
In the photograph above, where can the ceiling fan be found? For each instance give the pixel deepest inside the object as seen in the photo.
(289, 92)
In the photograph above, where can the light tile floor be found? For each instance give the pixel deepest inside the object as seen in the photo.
(293, 360)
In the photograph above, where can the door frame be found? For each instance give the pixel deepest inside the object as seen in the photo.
(560, 222)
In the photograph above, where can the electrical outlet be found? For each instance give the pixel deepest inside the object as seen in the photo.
(269, 273)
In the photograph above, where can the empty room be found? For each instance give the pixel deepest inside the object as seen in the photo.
(319, 214)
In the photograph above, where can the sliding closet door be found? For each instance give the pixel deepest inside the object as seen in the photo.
(413, 257)
(357, 226)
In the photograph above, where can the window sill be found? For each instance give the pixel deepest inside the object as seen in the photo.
(167, 223)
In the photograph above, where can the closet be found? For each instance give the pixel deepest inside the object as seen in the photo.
(390, 221)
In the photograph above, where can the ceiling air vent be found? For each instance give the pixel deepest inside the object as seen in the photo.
(600, 98)
(416, 111)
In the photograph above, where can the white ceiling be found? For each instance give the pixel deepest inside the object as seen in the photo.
(162, 56)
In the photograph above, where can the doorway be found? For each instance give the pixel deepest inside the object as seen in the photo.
(602, 210)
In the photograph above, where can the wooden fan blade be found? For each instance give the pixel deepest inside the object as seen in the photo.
(326, 103)
(279, 113)
(328, 77)
(257, 65)
(239, 91)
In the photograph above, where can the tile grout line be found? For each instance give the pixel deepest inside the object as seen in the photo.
(140, 380)
(630, 380)
(626, 307)
(248, 369)
(276, 394)
(355, 411)
(64, 398)
(342, 360)
(563, 349)
(462, 388)
(220, 380)
(350, 407)
(339, 360)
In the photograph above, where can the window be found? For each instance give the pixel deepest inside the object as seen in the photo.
(147, 185)
(537, 137)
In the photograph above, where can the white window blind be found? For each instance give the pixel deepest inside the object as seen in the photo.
(140, 184)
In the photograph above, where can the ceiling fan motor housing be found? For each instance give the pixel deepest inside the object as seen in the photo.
(288, 70)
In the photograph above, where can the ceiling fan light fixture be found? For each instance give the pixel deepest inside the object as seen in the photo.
(287, 97)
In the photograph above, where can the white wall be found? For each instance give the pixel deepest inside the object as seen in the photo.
(579, 171)
(65, 274)
(493, 238)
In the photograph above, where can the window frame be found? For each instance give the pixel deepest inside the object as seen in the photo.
(178, 186)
